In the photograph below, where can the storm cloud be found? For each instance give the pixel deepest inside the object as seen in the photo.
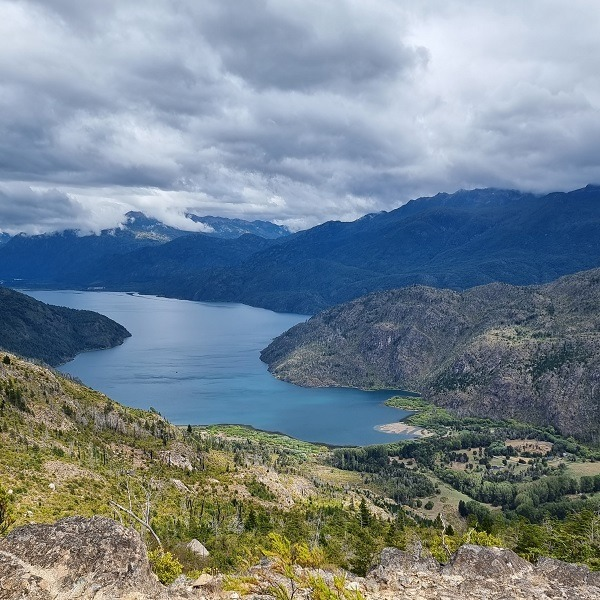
(292, 111)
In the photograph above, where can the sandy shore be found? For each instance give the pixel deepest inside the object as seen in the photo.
(400, 427)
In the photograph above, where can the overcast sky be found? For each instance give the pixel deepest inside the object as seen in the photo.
(296, 111)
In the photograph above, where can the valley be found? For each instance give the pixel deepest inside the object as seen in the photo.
(199, 363)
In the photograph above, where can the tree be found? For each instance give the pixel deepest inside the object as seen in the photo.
(363, 514)
(6, 518)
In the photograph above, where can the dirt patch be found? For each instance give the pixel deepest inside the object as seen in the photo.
(63, 471)
(533, 446)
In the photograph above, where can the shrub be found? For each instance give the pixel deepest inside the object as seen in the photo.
(166, 567)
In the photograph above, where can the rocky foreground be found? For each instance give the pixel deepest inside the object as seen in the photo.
(100, 559)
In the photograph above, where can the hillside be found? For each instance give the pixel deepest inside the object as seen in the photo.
(498, 351)
(53, 334)
(68, 450)
(166, 269)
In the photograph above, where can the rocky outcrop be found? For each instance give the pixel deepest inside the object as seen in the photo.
(98, 559)
(498, 351)
(76, 558)
(478, 573)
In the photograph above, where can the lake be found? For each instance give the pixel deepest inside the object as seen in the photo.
(198, 363)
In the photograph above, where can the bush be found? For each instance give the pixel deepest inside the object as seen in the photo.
(166, 567)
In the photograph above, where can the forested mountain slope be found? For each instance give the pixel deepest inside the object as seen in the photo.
(170, 269)
(503, 351)
(53, 334)
(72, 258)
(457, 241)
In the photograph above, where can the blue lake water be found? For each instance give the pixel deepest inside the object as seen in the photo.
(198, 363)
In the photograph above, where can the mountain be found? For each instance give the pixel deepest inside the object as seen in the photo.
(221, 227)
(59, 258)
(173, 268)
(450, 240)
(497, 351)
(233, 228)
(53, 334)
(70, 258)
(139, 226)
(455, 241)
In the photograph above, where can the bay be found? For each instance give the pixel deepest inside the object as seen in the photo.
(198, 363)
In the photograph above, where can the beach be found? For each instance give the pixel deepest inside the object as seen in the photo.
(403, 428)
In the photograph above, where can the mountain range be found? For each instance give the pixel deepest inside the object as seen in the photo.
(495, 351)
(72, 258)
(455, 241)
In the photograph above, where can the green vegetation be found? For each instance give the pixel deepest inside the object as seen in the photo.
(245, 493)
(530, 488)
(527, 353)
(6, 518)
(166, 567)
(427, 415)
(52, 334)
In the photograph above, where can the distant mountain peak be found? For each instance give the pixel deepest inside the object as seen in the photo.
(232, 228)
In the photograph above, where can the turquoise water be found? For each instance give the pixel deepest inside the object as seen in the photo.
(198, 363)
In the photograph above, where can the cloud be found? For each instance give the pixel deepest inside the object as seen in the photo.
(296, 111)
(33, 211)
(308, 45)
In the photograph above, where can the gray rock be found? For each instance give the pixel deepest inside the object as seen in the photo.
(197, 548)
(486, 562)
(396, 568)
(76, 558)
(562, 572)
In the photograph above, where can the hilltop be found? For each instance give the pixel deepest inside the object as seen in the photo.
(496, 351)
(53, 334)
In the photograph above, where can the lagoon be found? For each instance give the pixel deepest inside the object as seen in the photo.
(198, 363)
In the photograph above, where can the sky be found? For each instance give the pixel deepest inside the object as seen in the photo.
(294, 111)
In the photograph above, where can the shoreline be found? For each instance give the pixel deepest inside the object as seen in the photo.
(405, 429)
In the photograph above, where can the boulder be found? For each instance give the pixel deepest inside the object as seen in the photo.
(397, 568)
(76, 558)
(564, 573)
(197, 548)
(474, 562)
